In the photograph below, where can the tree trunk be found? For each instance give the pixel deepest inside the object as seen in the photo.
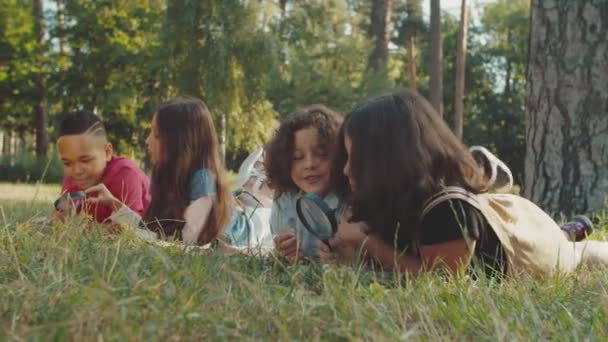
(283, 6)
(379, 32)
(223, 136)
(566, 167)
(40, 111)
(507, 91)
(60, 33)
(461, 54)
(2, 142)
(22, 143)
(436, 82)
(411, 45)
(411, 55)
(6, 143)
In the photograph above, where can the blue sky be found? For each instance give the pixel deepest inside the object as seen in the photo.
(453, 6)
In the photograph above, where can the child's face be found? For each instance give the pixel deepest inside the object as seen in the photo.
(153, 142)
(84, 158)
(347, 172)
(310, 166)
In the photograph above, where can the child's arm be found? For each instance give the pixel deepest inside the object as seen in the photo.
(350, 244)
(131, 190)
(285, 240)
(443, 240)
(121, 213)
(351, 240)
(196, 216)
(389, 257)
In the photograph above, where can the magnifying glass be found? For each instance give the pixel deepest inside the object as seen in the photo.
(75, 198)
(317, 217)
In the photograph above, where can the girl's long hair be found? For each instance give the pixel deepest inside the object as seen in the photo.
(402, 153)
(188, 142)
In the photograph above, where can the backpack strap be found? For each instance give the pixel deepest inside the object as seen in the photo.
(448, 193)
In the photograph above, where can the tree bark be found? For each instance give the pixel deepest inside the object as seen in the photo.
(411, 55)
(223, 136)
(40, 110)
(60, 21)
(5, 141)
(566, 169)
(283, 7)
(22, 143)
(508, 76)
(461, 54)
(379, 32)
(411, 45)
(436, 81)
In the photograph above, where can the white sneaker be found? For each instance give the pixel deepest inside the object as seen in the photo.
(252, 180)
(252, 167)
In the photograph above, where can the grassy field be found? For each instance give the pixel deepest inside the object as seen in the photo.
(66, 282)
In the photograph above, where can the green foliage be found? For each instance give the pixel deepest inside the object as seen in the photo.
(252, 62)
(19, 64)
(494, 113)
(68, 283)
(219, 53)
(497, 103)
(324, 58)
(111, 66)
(29, 168)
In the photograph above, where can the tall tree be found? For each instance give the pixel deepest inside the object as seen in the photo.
(505, 54)
(436, 42)
(19, 67)
(112, 66)
(60, 21)
(218, 50)
(413, 8)
(40, 106)
(379, 33)
(6, 142)
(461, 55)
(320, 57)
(411, 49)
(567, 126)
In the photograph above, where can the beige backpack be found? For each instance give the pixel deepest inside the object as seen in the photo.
(533, 243)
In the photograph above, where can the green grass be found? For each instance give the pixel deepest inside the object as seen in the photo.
(65, 282)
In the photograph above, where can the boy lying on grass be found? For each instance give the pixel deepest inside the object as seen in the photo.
(88, 160)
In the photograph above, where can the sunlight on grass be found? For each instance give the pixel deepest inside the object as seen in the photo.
(28, 192)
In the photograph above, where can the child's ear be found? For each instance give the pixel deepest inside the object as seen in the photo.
(109, 151)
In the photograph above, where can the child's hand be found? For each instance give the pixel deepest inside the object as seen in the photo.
(104, 196)
(325, 253)
(351, 233)
(348, 240)
(59, 216)
(286, 244)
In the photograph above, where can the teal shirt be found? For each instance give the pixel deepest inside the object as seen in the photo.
(284, 216)
(237, 231)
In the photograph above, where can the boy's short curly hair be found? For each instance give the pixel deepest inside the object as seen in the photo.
(279, 151)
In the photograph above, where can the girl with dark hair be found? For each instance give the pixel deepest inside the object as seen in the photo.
(419, 200)
(191, 200)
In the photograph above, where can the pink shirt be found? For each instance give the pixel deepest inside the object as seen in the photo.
(126, 181)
